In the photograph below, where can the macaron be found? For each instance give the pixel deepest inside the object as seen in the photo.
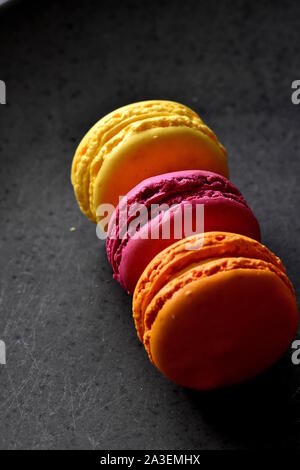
(170, 204)
(213, 310)
(138, 141)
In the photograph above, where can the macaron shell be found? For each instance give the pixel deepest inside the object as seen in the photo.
(220, 213)
(169, 188)
(223, 329)
(195, 249)
(205, 269)
(115, 121)
(152, 152)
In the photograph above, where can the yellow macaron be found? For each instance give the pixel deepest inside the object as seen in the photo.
(137, 141)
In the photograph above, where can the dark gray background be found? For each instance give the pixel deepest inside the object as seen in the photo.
(76, 375)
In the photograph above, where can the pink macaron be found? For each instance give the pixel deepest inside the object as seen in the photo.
(164, 208)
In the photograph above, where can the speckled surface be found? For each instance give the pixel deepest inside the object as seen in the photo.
(76, 375)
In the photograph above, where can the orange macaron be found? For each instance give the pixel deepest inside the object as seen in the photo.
(215, 309)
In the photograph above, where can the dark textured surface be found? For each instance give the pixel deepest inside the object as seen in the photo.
(76, 375)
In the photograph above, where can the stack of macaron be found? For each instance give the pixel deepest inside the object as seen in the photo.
(211, 304)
